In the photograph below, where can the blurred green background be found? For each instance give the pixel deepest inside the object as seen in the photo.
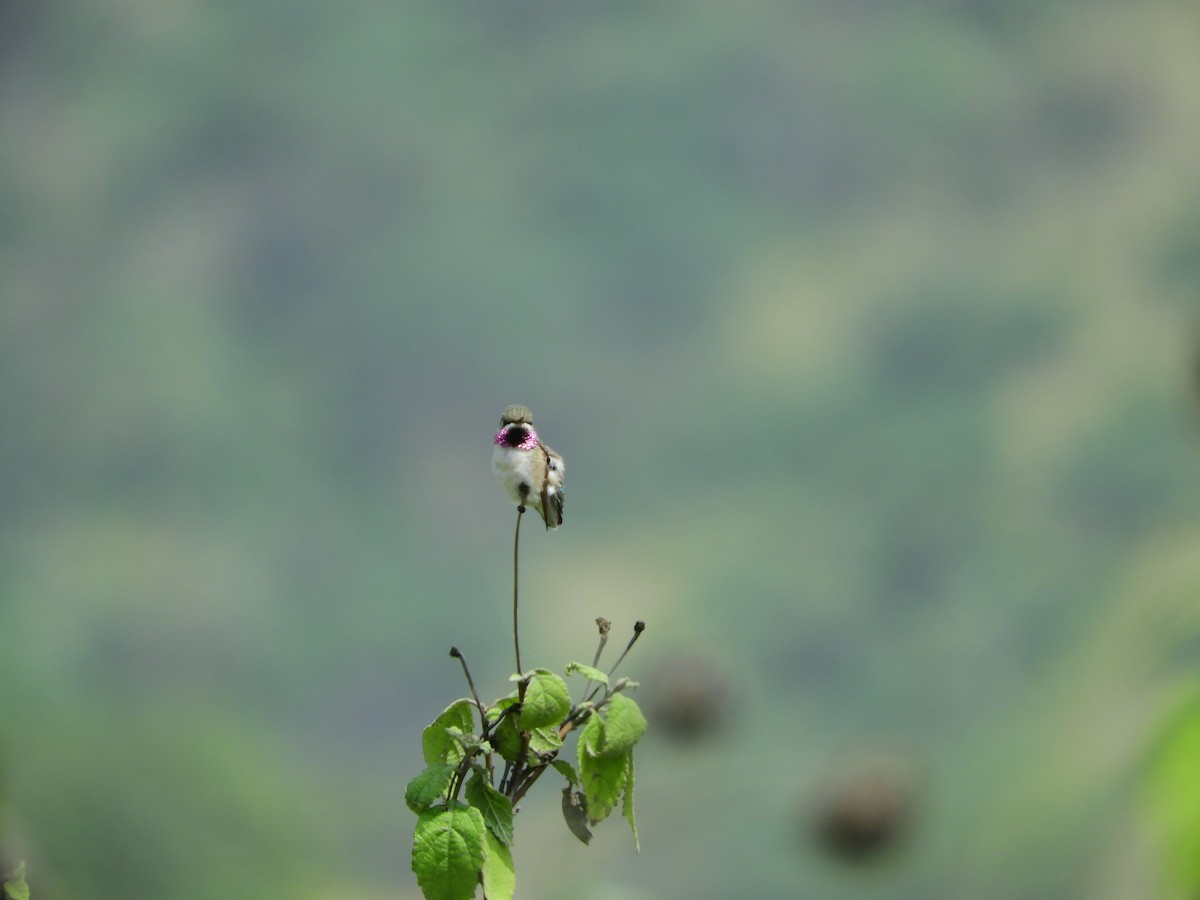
(865, 328)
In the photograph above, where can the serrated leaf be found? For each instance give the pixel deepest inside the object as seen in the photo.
(448, 852)
(470, 743)
(592, 674)
(627, 804)
(591, 737)
(14, 886)
(437, 743)
(428, 787)
(459, 714)
(499, 877)
(500, 705)
(566, 770)
(547, 701)
(624, 724)
(603, 779)
(543, 741)
(574, 808)
(495, 807)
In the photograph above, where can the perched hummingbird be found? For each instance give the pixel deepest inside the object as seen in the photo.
(529, 471)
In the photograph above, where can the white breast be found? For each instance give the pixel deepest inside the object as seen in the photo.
(514, 468)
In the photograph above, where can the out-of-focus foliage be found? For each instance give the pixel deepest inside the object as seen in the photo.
(1175, 797)
(865, 329)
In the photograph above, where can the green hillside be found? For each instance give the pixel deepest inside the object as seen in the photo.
(867, 331)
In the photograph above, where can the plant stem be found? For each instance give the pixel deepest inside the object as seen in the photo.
(516, 631)
(460, 775)
(604, 625)
(457, 654)
(519, 791)
(638, 627)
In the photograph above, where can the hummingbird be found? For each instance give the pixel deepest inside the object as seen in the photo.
(529, 471)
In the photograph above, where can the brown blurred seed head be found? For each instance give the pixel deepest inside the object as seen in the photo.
(866, 812)
(688, 699)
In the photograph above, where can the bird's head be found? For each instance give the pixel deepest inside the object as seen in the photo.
(516, 429)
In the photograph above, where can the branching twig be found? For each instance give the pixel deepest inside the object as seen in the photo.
(483, 718)
(604, 625)
(638, 627)
(566, 728)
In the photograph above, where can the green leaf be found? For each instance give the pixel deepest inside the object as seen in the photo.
(499, 877)
(425, 790)
(505, 737)
(624, 724)
(495, 807)
(591, 738)
(1174, 796)
(543, 741)
(603, 779)
(547, 701)
(587, 672)
(500, 705)
(574, 808)
(566, 770)
(448, 852)
(460, 714)
(627, 805)
(471, 744)
(437, 743)
(15, 887)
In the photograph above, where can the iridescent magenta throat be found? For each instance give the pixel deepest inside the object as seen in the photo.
(531, 439)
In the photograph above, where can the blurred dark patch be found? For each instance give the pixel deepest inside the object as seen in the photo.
(1080, 120)
(1003, 18)
(916, 561)
(1115, 483)
(21, 27)
(792, 142)
(1193, 377)
(688, 699)
(866, 811)
(1195, 370)
(965, 337)
(1177, 253)
(524, 20)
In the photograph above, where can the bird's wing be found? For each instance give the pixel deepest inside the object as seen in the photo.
(553, 495)
(554, 461)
